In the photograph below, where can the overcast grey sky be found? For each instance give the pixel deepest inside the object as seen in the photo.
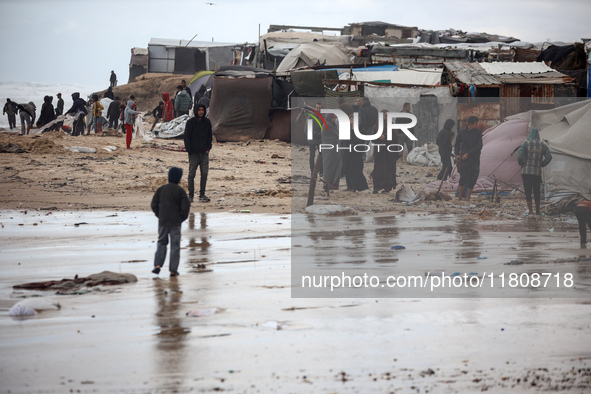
(80, 41)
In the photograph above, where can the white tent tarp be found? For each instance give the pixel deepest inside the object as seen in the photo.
(430, 77)
(313, 53)
(567, 131)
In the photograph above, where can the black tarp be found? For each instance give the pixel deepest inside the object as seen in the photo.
(239, 108)
(309, 82)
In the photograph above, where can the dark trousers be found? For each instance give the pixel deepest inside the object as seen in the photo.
(12, 121)
(469, 174)
(78, 125)
(583, 215)
(200, 160)
(531, 183)
(113, 123)
(164, 233)
(446, 166)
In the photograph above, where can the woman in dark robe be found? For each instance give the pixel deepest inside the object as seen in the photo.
(331, 158)
(353, 163)
(384, 167)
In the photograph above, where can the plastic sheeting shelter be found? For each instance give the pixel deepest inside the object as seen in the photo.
(239, 108)
(567, 130)
(498, 159)
(312, 54)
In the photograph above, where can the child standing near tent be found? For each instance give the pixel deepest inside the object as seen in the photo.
(583, 213)
(171, 206)
(129, 116)
(532, 156)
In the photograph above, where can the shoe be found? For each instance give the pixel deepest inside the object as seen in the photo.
(173, 274)
(191, 199)
(204, 198)
(156, 270)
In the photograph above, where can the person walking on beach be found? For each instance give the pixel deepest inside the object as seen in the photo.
(27, 114)
(59, 109)
(198, 138)
(79, 111)
(583, 213)
(533, 154)
(171, 206)
(128, 118)
(444, 142)
(468, 147)
(113, 79)
(10, 111)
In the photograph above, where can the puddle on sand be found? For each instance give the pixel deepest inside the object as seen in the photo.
(358, 245)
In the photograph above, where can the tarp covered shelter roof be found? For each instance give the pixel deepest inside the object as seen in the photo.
(426, 77)
(312, 54)
(505, 73)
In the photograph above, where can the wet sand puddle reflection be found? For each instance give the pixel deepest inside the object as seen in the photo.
(228, 323)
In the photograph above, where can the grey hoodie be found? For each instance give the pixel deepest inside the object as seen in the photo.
(129, 113)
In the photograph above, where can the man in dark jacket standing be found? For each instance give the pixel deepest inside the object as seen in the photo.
(79, 111)
(171, 206)
(59, 109)
(468, 147)
(198, 138)
(10, 111)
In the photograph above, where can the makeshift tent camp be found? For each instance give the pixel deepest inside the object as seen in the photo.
(201, 78)
(312, 54)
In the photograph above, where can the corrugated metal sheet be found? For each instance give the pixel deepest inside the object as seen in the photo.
(498, 68)
(476, 73)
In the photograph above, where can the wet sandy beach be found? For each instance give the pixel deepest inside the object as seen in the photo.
(137, 338)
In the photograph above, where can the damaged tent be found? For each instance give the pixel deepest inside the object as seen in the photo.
(314, 54)
(567, 132)
(498, 159)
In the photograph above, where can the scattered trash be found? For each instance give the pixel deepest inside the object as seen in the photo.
(275, 325)
(245, 211)
(82, 149)
(20, 310)
(110, 148)
(203, 312)
(398, 247)
(481, 258)
(426, 155)
(329, 209)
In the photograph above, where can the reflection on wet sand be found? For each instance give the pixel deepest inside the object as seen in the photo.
(171, 345)
(198, 248)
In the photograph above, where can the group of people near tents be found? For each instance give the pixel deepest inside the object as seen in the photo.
(336, 163)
